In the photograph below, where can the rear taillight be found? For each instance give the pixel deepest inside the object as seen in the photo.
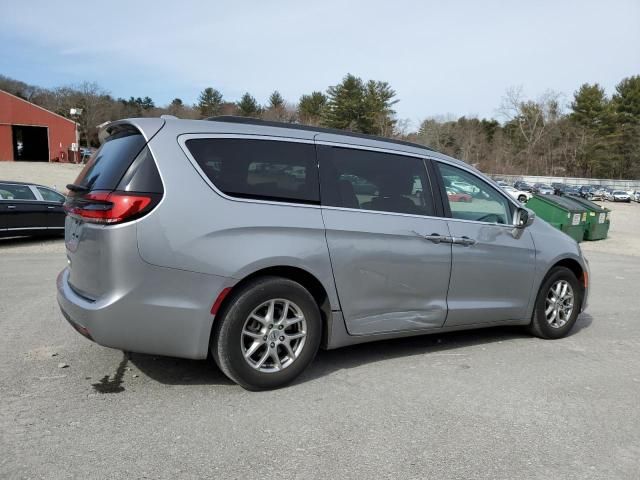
(110, 207)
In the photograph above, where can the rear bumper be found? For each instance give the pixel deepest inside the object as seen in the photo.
(167, 313)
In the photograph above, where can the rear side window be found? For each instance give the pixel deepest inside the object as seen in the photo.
(10, 191)
(50, 195)
(371, 180)
(260, 169)
(107, 167)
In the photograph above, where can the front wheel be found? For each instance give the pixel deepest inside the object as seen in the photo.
(268, 333)
(557, 305)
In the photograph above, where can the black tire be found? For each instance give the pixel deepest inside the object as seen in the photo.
(539, 325)
(226, 339)
(522, 198)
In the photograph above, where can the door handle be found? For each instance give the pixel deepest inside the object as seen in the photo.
(50, 207)
(11, 207)
(464, 241)
(435, 237)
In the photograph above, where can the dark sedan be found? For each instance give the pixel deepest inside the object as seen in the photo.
(524, 186)
(29, 209)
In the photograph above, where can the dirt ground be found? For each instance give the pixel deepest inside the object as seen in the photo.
(623, 238)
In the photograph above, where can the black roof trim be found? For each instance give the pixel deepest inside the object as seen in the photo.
(298, 126)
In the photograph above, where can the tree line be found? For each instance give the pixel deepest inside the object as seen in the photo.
(591, 135)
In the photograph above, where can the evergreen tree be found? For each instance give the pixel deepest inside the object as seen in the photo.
(277, 110)
(378, 114)
(248, 106)
(209, 102)
(276, 101)
(345, 105)
(146, 103)
(626, 105)
(591, 115)
(176, 107)
(589, 106)
(359, 107)
(310, 107)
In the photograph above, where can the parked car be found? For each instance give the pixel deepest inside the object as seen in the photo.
(519, 195)
(543, 189)
(28, 209)
(523, 186)
(567, 190)
(458, 196)
(465, 187)
(557, 187)
(636, 196)
(618, 196)
(176, 246)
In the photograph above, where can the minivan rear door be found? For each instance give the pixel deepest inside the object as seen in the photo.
(92, 246)
(390, 254)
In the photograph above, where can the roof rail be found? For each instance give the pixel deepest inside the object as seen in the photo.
(298, 126)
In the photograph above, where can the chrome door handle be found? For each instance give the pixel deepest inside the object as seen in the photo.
(464, 241)
(50, 207)
(11, 206)
(435, 237)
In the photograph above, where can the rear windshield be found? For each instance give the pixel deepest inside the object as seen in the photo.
(107, 167)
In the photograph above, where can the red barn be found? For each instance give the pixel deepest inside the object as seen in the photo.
(31, 133)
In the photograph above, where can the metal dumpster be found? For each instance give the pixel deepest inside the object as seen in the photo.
(561, 212)
(598, 219)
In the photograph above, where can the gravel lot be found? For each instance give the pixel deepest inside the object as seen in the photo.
(491, 403)
(55, 175)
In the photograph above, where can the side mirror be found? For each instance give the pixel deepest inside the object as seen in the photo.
(524, 218)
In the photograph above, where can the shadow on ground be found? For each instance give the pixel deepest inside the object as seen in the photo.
(175, 371)
(179, 371)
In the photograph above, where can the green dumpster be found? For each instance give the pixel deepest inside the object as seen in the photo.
(561, 212)
(598, 219)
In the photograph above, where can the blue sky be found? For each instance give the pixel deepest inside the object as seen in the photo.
(442, 58)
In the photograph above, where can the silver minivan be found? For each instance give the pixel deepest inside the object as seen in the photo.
(258, 242)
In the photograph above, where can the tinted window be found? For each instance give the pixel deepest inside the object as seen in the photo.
(142, 175)
(50, 195)
(111, 161)
(369, 180)
(16, 192)
(261, 169)
(470, 198)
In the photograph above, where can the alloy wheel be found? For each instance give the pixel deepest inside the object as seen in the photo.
(559, 304)
(273, 335)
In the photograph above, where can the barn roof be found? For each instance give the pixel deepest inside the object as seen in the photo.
(33, 105)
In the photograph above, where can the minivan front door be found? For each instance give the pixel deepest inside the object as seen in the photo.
(493, 265)
(390, 257)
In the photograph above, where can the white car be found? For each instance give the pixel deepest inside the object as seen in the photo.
(465, 187)
(519, 195)
(618, 196)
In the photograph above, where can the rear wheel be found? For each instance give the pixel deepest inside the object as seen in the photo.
(268, 333)
(557, 305)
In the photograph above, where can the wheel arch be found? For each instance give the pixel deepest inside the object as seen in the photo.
(572, 265)
(309, 281)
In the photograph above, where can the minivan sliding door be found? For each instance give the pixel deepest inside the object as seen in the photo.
(390, 256)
